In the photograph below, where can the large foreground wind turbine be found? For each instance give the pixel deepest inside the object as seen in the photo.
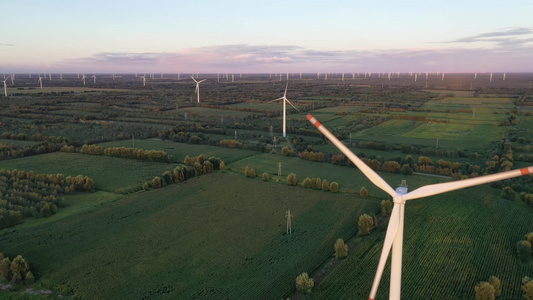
(394, 236)
(197, 90)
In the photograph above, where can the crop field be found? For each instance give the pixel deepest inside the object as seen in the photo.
(108, 173)
(18, 142)
(451, 243)
(204, 238)
(213, 112)
(56, 89)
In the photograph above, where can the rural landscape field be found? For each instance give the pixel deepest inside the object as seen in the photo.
(130, 187)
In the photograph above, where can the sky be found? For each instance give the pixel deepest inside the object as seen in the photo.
(266, 36)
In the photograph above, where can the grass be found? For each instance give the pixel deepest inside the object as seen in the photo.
(180, 150)
(58, 89)
(108, 173)
(21, 143)
(205, 238)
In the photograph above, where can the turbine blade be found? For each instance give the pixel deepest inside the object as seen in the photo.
(392, 229)
(291, 104)
(194, 79)
(202, 80)
(286, 87)
(275, 100)
(369, 173)
(439, 188)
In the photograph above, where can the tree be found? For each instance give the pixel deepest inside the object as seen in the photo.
(366, 224)
(292, 179)
(19, 268)
(508, 193)
(222, 166)
(157, 182)
(29, 278)
(265, 177)
(307, 182)
(363, 192)
(334, 187)
(341, 249)
(146, 186)
(524, 250)
(168, 177)
(527, 287)
(5, 269)
(249, 172)
(304, 283)
(325, 185)
(496, 283)
(386, 208)
(484, 291)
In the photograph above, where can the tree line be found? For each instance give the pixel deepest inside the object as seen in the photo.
(27, 194)
(126, 152)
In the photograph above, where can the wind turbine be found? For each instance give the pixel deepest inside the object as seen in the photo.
(5, 86)
(285, 100)
(40, 81)
(197, 90)
(83, 78)
(394, 236)
(144, 79)
(94, 78)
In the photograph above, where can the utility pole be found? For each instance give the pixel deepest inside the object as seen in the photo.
(289, 224)
(279, 169)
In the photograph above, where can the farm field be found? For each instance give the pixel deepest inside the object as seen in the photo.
(222, 235)
(108, 173)
(203, 238)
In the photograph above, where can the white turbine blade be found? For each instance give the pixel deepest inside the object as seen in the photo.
(439, 188)
(286, 87)
(291, 104)
(394, 222)
(369, 173)
(275, 100)
(194, 79)
(202, 80)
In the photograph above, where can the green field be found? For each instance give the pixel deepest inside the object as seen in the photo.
(206, 238)
(451, 243)
(349, 179)
(108, 173)
(21, 143)
(59, 89)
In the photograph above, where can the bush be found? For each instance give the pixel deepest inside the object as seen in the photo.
(249, 172)
(524, 250)
(496, 283)
(508, 193)
(527, 287)
(366, 224)
(334, 187)
(484, 291)
(157, 182)
(325, 185)
(386, 208)
(304, 283)
(307, 183)
(292, 179)
(341, 249)
(265, 177)
(363, 192)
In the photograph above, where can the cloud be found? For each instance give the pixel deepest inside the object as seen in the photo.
(292, 58)
(504, 38)
(7, 45)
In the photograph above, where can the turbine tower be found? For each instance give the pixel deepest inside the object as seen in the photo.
(83, 79)
(197, 90)
(40, 81)
(94, 78)
(394, 236)
(285, 100)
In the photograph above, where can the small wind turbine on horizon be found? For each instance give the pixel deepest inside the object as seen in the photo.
(394, 235)
(5, 86)
(40, 81)
(83, 79)
(197, 90)
(94, 78)
(285, 100)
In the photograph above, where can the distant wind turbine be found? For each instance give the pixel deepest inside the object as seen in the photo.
(94, 78)
(144, 79)
(83, 79)
(40, 81)
(490, 77)
(394, 236)
(285, 100)
(197, 90)
(5, 86)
